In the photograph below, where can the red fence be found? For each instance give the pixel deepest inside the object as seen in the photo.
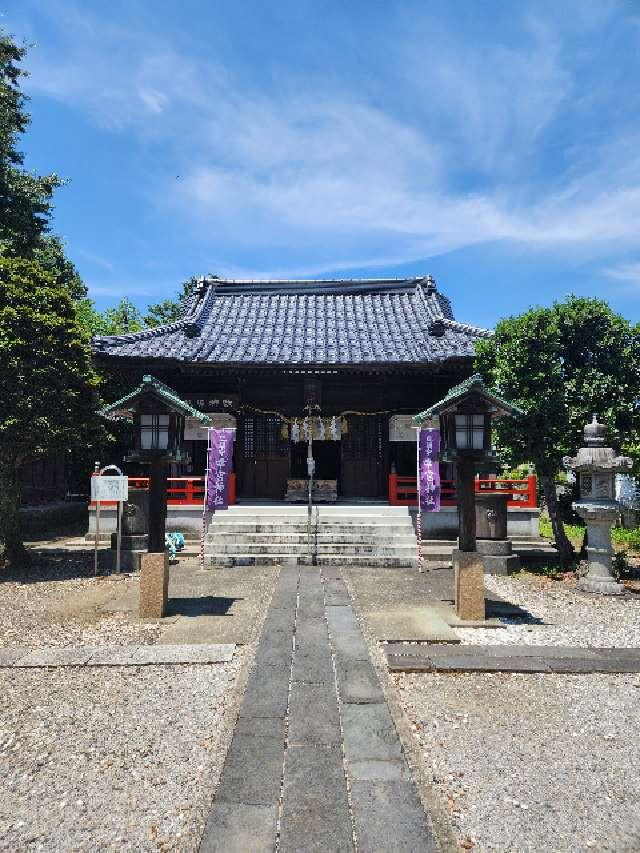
(523, 493)
(181, 491)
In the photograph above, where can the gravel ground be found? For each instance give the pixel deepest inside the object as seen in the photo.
(122, 758)
(570, 617)
(531, 762)
(56, 603)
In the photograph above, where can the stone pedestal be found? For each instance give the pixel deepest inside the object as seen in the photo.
(131, 550)
(154, 585)
(599, 577)
(469, 585)
(134, 540)
(497, 556)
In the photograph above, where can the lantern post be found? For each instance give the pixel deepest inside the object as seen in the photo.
(465, 423)
(158, 415)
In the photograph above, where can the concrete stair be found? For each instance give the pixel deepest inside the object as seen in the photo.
(375, 534)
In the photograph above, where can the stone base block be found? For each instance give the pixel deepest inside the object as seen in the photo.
(138, 542)
(496, 565)
(469, 584)
(603, 586)
(129, 560)
(154, 585)
(494, 547)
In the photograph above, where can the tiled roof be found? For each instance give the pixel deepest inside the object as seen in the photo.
(473, 383)
(345, 322)
(125, 406)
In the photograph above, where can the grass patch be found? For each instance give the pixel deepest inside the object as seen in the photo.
(629, 538)
(575, 532)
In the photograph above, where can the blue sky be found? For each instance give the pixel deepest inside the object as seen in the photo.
(494, 145)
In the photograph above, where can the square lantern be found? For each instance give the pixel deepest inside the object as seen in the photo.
(466, 428)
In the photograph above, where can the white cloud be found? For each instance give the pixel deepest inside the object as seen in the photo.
(628, 274)
(466, 140)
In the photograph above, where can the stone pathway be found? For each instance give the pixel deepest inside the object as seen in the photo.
(54, 656)
(315, 762)
(510, 658)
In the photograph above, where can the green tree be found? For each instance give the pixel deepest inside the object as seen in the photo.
(170, 310)
(162, 313)
(559, 365)
(25, 198)
(49, 388)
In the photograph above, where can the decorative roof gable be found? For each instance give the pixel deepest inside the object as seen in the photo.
(124, 408)
(473, 385)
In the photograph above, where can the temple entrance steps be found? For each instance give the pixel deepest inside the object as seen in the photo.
(374, 534)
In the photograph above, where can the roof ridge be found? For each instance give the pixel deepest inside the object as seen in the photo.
(467, 327)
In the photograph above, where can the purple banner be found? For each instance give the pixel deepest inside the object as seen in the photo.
(429, 470)
(219, 468)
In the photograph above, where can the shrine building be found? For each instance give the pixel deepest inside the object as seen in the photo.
(350, 360)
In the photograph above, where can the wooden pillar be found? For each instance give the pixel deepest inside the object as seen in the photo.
(157, 504)
(466, 504)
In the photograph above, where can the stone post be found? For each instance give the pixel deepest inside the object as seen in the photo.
(154, 585)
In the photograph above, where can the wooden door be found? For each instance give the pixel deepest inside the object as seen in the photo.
(363, 457)
(264, 467)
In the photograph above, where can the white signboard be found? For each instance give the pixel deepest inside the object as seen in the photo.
(402, 428)
(195, 431)
(109, 488)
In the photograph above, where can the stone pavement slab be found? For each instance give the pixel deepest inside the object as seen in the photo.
(113, 656)
(369, 733)
(313, 715)
(312, 658)
(238, 828)
(510, 658)
(52, 656)
(159, 654)
(315, 810)
(267, 693)
(358, 682)
(411, 623)
(11, 654)
(379, 771)
(341, 619)
(389, 817)
(252, 771)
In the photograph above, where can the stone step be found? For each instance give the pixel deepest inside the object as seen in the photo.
(301, 522)
(288, 510)
(286, 538)
(321, 548)
(299, 560)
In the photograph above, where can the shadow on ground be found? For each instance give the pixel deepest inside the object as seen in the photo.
(205, 605)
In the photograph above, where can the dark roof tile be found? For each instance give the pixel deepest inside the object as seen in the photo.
(309, 322)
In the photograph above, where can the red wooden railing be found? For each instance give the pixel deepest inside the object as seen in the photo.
(523, 493)
(181, 491)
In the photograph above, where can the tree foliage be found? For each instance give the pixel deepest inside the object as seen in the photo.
(49, 388)
(559, 365)
(25, 198)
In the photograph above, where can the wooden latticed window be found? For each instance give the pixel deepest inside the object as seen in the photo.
(262, 437)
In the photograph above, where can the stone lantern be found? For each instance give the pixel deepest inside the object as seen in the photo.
(465, 417)
(596, 467)
(157, 414)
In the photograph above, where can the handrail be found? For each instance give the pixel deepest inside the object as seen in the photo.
(403, 491)
(181, 491)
